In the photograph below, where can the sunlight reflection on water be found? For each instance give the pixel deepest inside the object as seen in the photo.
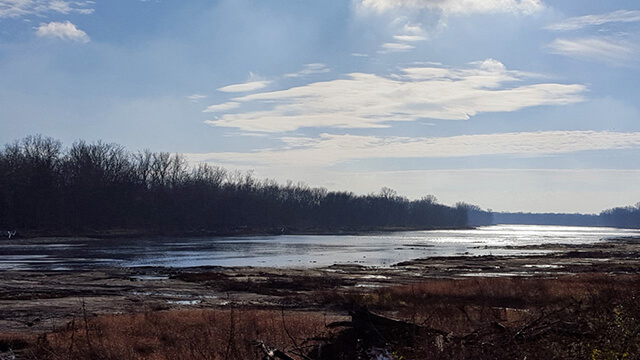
(379, 249)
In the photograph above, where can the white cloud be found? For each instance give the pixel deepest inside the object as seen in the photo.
(395, 47)
(576, 23)
(65, 7)
(310, 69)
(371, 101)
(64, 31)
(603, 49)
(413, 29)
(196, 97)
(491, 65)
(246, 87)
(411, 33)
(409, 38)
(222, 107)
(560, 190)
(20, 8)
(331, 149)
(455, 6)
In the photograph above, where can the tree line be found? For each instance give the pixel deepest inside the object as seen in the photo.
(102, 186)
(620, 217)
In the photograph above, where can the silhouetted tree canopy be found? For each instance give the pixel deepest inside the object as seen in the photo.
(620, 217)
(102, 186)
(623, 217)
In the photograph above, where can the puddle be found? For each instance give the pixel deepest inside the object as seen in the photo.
(379, 277)
(542, 266)
(495, 274)
(61, 246)
(184, 302)
(150, 277)
(368, 285)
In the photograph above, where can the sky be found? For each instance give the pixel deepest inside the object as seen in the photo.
(511, 105)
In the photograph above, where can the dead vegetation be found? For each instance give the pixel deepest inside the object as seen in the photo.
(588, 316)
(591, 316)
(186, 334)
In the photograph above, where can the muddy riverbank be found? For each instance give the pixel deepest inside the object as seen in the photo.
(37, 301)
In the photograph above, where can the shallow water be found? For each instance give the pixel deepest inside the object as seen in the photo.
(381, 249)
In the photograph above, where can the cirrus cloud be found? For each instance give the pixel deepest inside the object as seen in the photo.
(329, 149)
(310, 69)
(245, 87)
(395, 47)
(609, 50)
(20, 8)
(456, 6)
(364, 100)
(576, 23)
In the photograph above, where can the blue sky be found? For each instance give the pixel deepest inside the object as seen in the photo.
(513, 105)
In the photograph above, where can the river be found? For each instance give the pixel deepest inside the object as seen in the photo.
(378, 249)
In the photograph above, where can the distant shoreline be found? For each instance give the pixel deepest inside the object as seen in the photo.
(238, 232)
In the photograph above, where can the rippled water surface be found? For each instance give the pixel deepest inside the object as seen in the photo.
(380, 249)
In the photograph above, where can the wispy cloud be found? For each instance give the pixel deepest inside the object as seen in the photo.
(371, 101)
(331, 149)
(609, 50)
(64, 31)
(245, 87)
(20, 8)
(222, 107)
(310, 69)
(395, 47)
(455, 6)
(410, 38)
(576, 23)
(196, 97)
(411, 33)
(66, 7)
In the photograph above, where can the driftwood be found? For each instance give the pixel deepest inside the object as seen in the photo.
(272, 353)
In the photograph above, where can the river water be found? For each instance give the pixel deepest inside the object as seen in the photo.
(379, 249)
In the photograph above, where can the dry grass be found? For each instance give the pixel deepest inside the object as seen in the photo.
(592, 316)
(187, 334)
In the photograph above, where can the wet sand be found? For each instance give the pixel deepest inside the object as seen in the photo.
(38, 301)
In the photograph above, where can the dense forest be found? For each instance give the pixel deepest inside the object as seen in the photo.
(101, 187)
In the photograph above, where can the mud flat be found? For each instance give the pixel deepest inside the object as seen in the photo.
(36, 301)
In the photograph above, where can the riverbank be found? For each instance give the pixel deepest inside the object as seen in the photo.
(33, 303)
(42, 300)
(241, 231)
